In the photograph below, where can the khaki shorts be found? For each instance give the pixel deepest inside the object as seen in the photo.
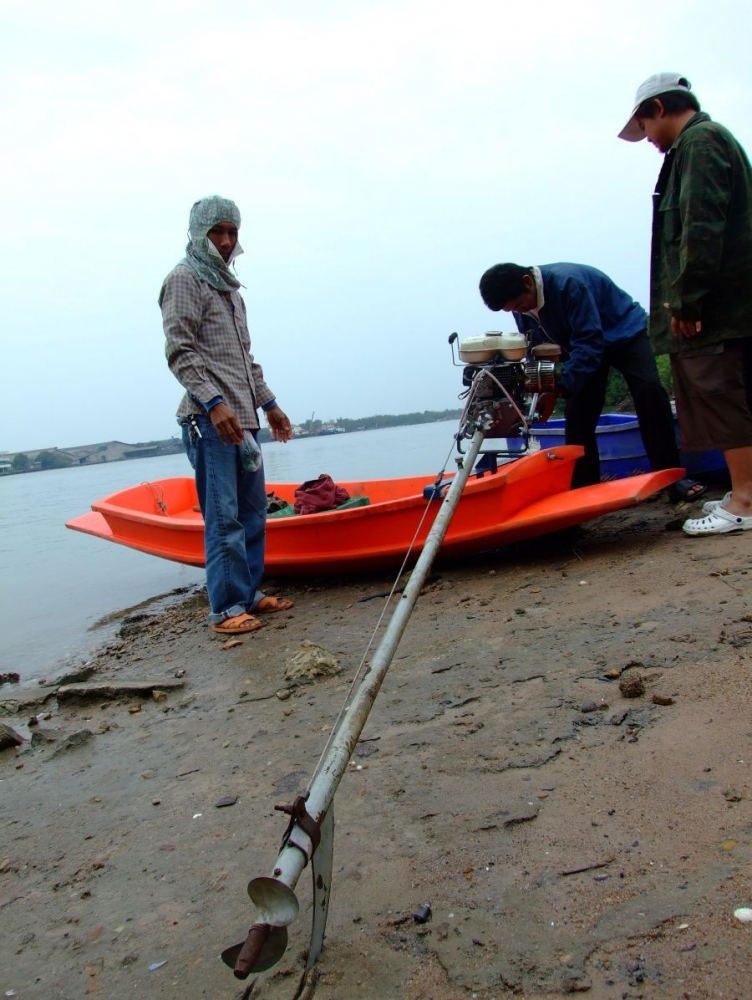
(713, 391)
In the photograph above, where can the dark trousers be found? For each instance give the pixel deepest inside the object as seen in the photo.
(636, 362)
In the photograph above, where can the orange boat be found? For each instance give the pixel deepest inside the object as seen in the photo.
(524, 498)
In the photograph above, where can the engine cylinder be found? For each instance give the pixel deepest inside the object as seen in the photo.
(540, 376)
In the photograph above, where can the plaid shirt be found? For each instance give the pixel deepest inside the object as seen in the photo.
(208, 347)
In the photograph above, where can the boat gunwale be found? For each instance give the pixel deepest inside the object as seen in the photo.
(487, 481)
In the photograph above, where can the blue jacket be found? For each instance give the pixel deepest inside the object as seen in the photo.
(585, 312)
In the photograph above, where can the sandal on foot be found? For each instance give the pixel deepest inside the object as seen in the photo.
(685, 489)
(717, 522)
(269, 604)
(237, 625)
(710, 505)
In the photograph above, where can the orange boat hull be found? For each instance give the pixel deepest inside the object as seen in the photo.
(528, 497)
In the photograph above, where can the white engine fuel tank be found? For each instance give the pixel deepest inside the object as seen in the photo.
(510, 346)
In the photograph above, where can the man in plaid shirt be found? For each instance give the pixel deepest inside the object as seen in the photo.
(208, 349)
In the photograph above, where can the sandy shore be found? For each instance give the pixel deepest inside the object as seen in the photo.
(567, 838)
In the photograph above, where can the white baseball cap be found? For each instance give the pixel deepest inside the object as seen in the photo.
(658, 83)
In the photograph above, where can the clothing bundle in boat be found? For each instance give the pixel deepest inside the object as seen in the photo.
(316, 495)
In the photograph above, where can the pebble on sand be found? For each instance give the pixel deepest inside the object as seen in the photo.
(632, 686)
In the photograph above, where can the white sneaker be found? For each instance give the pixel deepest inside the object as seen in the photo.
(710, 505)
(717, 522)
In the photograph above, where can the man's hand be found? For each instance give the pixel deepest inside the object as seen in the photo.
(559, 370)
(685, 327)
(279, 424)
(226, 424)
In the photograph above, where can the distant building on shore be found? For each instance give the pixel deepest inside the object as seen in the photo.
(40, 459)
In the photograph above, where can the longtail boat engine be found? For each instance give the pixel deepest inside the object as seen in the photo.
(513, 386)
(508, 389)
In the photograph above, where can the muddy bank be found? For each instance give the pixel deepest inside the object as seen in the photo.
(567, 838)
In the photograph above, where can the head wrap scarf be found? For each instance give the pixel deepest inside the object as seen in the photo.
(202, 256)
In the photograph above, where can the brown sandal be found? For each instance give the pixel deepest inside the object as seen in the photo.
(237, 625)
(269, 604)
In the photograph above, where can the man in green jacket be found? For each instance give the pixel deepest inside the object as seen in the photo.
(701, 283)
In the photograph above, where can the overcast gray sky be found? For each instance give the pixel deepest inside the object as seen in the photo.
(382, 154)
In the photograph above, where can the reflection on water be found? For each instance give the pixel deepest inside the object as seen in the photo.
(57, 584)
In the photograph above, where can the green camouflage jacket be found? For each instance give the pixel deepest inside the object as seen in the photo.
(701, 256)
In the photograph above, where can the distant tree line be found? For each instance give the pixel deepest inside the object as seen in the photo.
(375, 422)
(44, 460)
(397, 420)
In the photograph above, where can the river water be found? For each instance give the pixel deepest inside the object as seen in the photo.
(58, 587)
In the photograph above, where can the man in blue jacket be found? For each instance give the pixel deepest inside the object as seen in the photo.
(598, 327)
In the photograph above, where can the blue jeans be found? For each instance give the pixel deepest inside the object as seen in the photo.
(233, 503)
